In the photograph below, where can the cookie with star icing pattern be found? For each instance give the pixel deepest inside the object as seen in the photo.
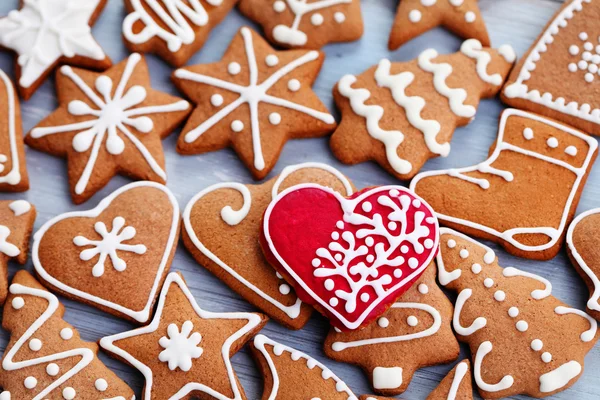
(253, 100)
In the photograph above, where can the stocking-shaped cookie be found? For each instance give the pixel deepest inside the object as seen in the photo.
(222, 229)
(46, 358)
(414, 333)
(402, 114)
(292, 375)
(16, 223)
(505, 198)
(583, 237)
(523, 340)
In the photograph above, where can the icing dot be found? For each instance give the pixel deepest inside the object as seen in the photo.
(35, 344)
(416, 203)
(588, 46)
(237, 126)
(383, 322)
(316, 19)
(294, 85)
(340, 224)
(278, 275)
(284, 289)
(392, 226)
(404, 249)
(488, 282)
(338, 257)
(397, 273)
(333, 301)
(316, 262)
(216, 100)
(339, 17)
(66, 333)
(271, 60)
(413, 262)
(513, 312)
(573, 67)
(370, 241)
(552, 142)
(574, 50)
(589, 77)
(412, 321)
(571, 150)
(68, 393)
(476, 268)
(470, 17)
(365, 297)
(367, 207)
(528, 133)
(415, 16)
(464, 253)
(522, 326)
(536, 345)
(428, 243)
(429, 3)
(275, 118)
(593, 68)
(546, 357)
(234, 68)
(52, 369)
(394, 193)
(335, 235)
(583, 36)
(279, 6)
(18, 303)
(101, 385)
(423, 288)
(451, 243)
(329, 284)
(587, 56)
(30, 382)
(370, 258)
(500, 295)
(582, 64)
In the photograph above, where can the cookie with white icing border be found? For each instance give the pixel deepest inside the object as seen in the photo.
(46, 357)
(306, 25)
(522, 339)
(292, 375)
(415, 17)
(16, 223)
(253, 100)
(185, 351)
(115, 256)
(505, 198)
(559, 76)
(173, 29)
(109, 123)
(46, 33)
(415, 333)
(221, 229)
(402, 114)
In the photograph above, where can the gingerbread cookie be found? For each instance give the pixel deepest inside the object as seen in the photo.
(416, 17)
(16, 223)
(173, 29)
(46, 33)
(221, 228)
(292, 375)
(109, 123)
(307, 25)
(505, 198)
(115, 256)
(559, 76)
(402, 114)
(185, 351)
(254, 100)
(414, 333)
(45, 357)
(13, 168)
(583, 237)
(523, 340)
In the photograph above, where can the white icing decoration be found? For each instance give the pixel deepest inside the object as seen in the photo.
(470, 17)
(181, 347)
(18, 303)
(559, 377)
(234, 68)
(66, 333)
(499, 295)
(415, 16)
(571, 150)
(506, 382)
(20, 207)
(30, 382)
(479, 323)
(387, 378)
(101, 385)
(423, 289)
(461, 371)
(271, 60)
(552, 142)
(513, 312)
(339, 17)
(412, 321)
(216, 100)
(52, 369)
(253, 94)
(383, 322)
(546, 357)
(69, 393)
(110, 120)
(12, 177)
(237, 126)
(522, 326)
(537, 294)
(536, 345)
(294, 85)
(472, 48)
(35, 344)
(588, 335)
(5, 247)
(317, 19)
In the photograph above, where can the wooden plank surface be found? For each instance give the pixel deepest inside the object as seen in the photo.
(516, 22)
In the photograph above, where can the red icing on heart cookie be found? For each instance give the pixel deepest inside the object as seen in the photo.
(350, 258)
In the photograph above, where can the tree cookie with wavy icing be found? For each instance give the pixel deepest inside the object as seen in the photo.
(414, 333)
(559, 76)
(45, 357)
(523, 340)
(402, 114)
(253, 100)
(109, 123)
(525, 194)
(221, 229)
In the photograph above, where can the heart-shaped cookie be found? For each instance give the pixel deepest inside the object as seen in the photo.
(115, 256)
(350, 258)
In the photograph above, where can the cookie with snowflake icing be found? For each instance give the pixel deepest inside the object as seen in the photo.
(303, 24)
(45, 357)
(559, 77)
(173, 29)
(109, 123)
(185, 351)
(253, 100)
(115, 256)
(46, 33)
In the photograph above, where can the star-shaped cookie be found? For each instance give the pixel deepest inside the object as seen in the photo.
(45, 33)
(109, 123)
(253, 100)
(416, 17)
(186, 350)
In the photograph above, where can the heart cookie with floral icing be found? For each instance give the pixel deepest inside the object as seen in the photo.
(350, 258)
(116, 256)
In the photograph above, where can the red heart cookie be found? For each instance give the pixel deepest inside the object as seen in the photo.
(350, 258)
(116, 256)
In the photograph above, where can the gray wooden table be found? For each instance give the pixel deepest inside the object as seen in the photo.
(516, 22)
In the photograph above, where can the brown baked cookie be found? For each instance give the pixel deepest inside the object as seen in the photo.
(13, 167)
(414, 333)
(523, 340)
(115, 256)
(292, 375)
(46, 33)
(559, 76)
(254, 100)
(402, 114)
(306, 25)
(416, 17)
(583, 237)
(173, 29)
(505, 198)
(16, 223)
(109, 123)
(45, 357)
(221, 228)
(185, 351)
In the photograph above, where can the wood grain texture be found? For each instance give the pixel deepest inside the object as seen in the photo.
(516, 22)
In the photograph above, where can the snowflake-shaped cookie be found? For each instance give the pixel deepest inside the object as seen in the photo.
(589, 57)
(180, 347)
